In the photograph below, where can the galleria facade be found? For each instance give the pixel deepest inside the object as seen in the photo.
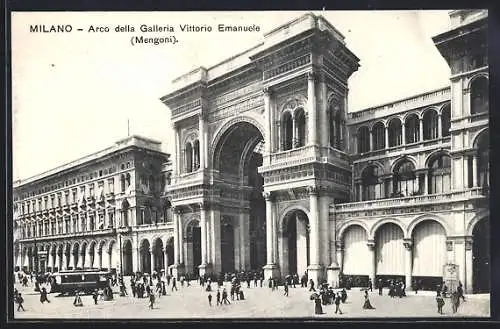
(271, 172)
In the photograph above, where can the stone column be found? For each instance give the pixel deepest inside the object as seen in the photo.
(474, 171)
(386, 135)
(360, 192)
(203, 227)
(99, 258)
(50, 261)
(267, 116)
(178, 259)
(270, 269)
(465, 174)
(315, 268)
(165, 259)
(311, 108)
(339, 246)
(177, 161)
(408, 263)
(152, 257)
(323, 108)
(403, 133)
(371, 140)
(468, 266)
(201, 128)
(373, 261)
(421, 129)
(215, 250)
(440, 125)
(241, 226)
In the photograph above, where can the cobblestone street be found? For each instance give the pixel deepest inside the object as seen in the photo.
(192, 303)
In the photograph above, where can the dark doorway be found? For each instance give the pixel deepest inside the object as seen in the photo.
(196, 249)
(257, 213)
(227, 246)
(127, 258)
(292, 245)
(481, 256)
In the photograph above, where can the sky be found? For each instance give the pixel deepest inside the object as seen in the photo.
(73, 93)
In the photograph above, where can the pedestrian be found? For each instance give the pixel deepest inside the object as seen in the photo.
(367, 305)
(210, 299)
(380, 287)
(460, 291)
(311, 285)
(261, 280)
(43, 296)
(455, 302)
(318, 309)
(151, 300)
(218, 298)
(370, 284)
(95, 294)
(174, 284)
(224, 297)
(78, 300)
(286, 289)
(337, 304)
(20, 301)
(440, 301)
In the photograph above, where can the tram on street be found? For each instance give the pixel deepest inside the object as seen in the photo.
(79, 280)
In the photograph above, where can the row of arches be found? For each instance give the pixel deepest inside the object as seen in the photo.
(422, 255)
(407, 180)
(293, 127)
(432, 125)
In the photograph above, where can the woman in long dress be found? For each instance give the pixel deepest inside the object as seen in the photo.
(318, 309)
(78, 300)
(367, 305)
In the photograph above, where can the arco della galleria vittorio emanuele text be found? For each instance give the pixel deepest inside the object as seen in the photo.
(271, 171)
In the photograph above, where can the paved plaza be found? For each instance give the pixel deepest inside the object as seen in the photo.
(192, 303)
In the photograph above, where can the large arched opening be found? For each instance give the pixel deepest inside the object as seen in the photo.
(356, 266)
(193, 243)
(127, 257)
(389, 253)
(145, 256)
(429, 253)
(481, 256)
(157, 255)
(237, 157)
(169, 250)
(296, 243)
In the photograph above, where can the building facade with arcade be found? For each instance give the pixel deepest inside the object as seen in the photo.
(107, 210)
(272, 171)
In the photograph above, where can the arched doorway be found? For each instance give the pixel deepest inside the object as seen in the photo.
(390, 252)
(127, 257)
(145, 256)
(67, 256)
(169, 249)
(481, 256)
(356, 253)
(158, 255)
(75, 254)
(237, 157)
(296, 245)
(91, 254)
(193, 233)
(83, 261)
(227, 244)
(429, 253)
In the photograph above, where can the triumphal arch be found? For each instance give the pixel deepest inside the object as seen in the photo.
(256, 166)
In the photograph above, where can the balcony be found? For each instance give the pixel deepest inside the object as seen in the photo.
(189, 178)
(476, 192)
(306, 154)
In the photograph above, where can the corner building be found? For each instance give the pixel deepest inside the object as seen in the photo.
(107, 210)
(270, 170)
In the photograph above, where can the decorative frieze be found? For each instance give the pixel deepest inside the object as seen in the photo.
(255, 102)
(289, 66)
(186, 107)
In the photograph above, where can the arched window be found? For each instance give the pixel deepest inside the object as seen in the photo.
(188, 153)
(430, 122)
(405, 180)
(287, 131)
(127, 179)
(122, 183)
(196, 155)
(300, 128)
(440, 175)
(163, 182)
(446, 121)
(395, 133)
(363, 140)
(412, 129)
(479, 95)
(151, 183)
(372, 188)
(378, 131)
(483, 161)
(334, 124)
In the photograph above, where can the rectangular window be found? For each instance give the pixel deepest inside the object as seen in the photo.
(111, 185)
(111, 216)
(91, 223)
(91, 190)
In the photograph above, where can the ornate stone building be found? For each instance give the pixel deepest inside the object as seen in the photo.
(271, 171)
(106, 210)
